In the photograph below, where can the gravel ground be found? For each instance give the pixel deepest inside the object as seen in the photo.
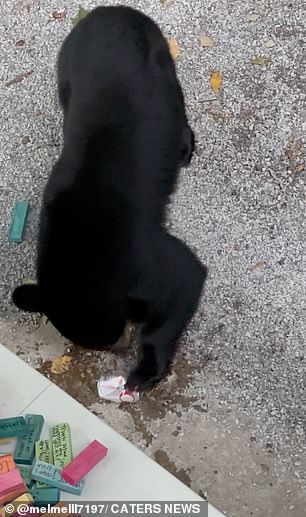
(241, 206)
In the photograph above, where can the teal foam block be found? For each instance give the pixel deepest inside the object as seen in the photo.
(26, 474)
(45, 496)
(19, 217)
(15, 426)
(51, 475)
(25, 447)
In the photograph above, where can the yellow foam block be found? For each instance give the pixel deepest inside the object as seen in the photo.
(60, 504)
(22, 499)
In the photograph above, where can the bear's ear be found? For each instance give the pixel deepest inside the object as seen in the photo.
(27, 297)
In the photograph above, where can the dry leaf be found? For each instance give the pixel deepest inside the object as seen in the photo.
(30, 281)
(19, 78)
(167, 3)
(80, 15)
(253, 17)
(258, 265)
(215, 81)
(59, 14)
(20, 43)
(173, 47)
(237, 247)
(262, 60)
(270, 43)
(206, 41)
(61, 364)
(300, 168)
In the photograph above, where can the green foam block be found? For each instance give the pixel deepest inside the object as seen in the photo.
(44, 496)
(51, 475)
(43, 452)
(24, 451)
(61, 445)
(15, 426)
(19, 217)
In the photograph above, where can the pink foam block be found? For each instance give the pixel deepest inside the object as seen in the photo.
(84, 462)
(10, 482)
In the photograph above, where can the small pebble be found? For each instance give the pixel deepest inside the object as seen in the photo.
(270, 43)
(253, 17)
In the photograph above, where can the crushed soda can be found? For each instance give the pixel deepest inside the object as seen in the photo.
(112, 388)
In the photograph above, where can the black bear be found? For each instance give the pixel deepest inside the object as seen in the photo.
(104, 255)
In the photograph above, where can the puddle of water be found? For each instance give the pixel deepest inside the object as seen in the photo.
(163, 459)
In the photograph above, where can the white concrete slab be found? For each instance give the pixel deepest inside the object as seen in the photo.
(126, 474)
(19, 384)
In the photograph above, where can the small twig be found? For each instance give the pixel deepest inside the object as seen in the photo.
(19, 78)
(279, 183)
